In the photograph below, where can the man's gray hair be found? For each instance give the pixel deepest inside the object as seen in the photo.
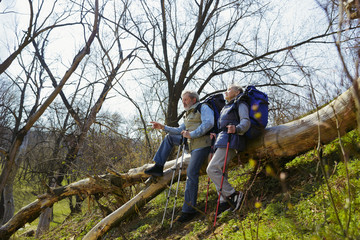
(192, 94)
(236, 87)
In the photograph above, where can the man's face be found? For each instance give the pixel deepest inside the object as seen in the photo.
(187, 101)
(231, 93)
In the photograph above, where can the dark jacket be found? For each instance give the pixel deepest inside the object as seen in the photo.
(230, 116)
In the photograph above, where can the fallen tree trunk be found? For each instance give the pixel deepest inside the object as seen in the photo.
(285, 140)
(152, 190)
(290, 139)
(299, 136)
(29, 213)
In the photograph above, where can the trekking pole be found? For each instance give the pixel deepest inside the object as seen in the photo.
(177, 186)
(172, 178)
(222, 177)
(208, 181)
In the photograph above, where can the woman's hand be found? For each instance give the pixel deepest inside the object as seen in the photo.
(231, 129)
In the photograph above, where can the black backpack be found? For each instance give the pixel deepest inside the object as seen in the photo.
(216, 102)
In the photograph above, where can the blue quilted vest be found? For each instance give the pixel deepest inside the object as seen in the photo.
(229, 116)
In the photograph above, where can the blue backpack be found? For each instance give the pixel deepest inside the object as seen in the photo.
(216, 102)
(258, 103)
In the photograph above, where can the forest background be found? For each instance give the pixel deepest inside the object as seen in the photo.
(80, 81)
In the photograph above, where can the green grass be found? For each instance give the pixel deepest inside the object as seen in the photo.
(300, 206)
(60, 212)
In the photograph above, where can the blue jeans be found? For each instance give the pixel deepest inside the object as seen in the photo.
(198, 156)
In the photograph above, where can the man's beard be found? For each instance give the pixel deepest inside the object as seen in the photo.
(187, 107)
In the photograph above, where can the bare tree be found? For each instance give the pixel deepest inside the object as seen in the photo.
(107, 72)
(348, 35)
(198, 51)
(35, 28)
(22, 86)
(86, 117)
(7, 99)
(207, 44)
(22, 128)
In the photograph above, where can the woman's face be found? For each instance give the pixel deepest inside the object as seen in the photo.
(231, 93)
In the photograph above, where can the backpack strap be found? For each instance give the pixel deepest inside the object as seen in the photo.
(198, 107)
(241, 98)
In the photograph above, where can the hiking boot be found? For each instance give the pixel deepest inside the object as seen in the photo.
(235, 200)
(185, 217)
(223, 206)
(156, 170)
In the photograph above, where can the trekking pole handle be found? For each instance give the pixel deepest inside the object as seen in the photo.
(229, 138)
(184, 139)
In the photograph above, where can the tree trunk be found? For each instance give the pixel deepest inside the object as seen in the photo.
(45, 216)
(8, 194)
(44, 221)
(9, 206)
(137, 202)
(301, 135)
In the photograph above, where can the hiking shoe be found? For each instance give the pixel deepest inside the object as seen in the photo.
(156, 170)
(223, 206)
(185, 217)
(235, 200)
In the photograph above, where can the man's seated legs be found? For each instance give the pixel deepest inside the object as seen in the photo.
(162, 154)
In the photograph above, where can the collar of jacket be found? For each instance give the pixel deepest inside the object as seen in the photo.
(193, 107)
(235, 98)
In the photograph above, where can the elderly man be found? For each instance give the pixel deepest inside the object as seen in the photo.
(198, 121)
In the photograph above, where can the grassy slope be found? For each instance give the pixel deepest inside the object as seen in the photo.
(297, 206)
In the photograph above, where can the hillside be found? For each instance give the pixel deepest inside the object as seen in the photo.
(300, 205)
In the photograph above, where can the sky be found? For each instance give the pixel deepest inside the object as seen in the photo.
(296, 17)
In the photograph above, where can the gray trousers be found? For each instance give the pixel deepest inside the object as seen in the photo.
(215, 171)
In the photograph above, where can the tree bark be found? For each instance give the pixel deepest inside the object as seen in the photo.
(45, 217)
(44, 222)
(9, 206)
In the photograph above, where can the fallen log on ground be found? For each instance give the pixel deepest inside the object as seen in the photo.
(285, 140)
(144, 196)
(29, 213)
(290, 139)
